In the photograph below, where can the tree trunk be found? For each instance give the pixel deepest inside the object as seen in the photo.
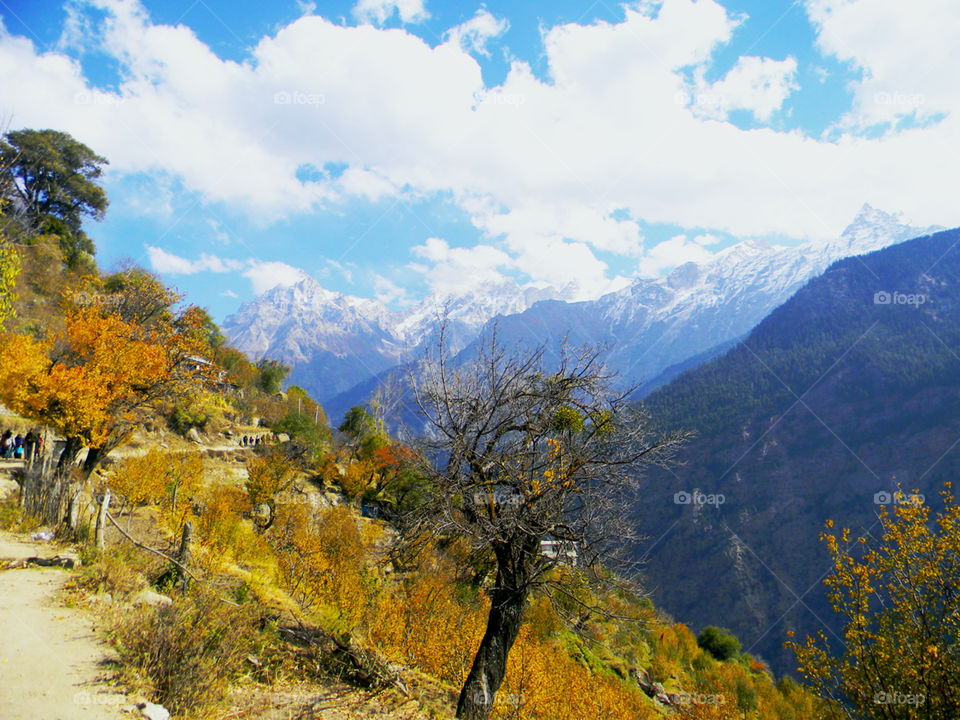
(185, 555)
(74, 514)
(69, 454)
(507, 601)
(91, 461)
(24, 489)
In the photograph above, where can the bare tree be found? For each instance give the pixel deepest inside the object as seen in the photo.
(533, 466)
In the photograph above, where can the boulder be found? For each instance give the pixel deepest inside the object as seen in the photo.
(650, 688)
(149, 597)
(152, 711)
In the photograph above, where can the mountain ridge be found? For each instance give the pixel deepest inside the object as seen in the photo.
(335, 342)
(832, 400)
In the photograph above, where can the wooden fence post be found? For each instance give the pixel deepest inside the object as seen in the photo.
(24, 489)
(75, 507)
(184, 558)
(102, 520)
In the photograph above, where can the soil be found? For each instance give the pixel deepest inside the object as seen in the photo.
(52, 665)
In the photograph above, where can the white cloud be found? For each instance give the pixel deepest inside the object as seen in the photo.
(388, 292)
(162, 261)
(757, 84)
(556, 262)
(475, 32)
(670, 253)
(264, 276)
(450, 270)
(365, 183)
(544, 168)
(379, 11)
(707, 239)
(907, 53)
(341, 270)
(229, 294)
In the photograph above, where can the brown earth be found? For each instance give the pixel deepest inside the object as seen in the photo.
(51, 661)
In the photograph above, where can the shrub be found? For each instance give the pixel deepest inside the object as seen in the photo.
(221, 521)
(193, 415)
(321, 558)
(122, 571)
(140, 479)
(719, 642)
(187, 652)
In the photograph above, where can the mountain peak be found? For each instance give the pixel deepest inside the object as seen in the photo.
(874, 229)
(654, 323)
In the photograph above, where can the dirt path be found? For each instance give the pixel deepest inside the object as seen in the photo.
(49, 656)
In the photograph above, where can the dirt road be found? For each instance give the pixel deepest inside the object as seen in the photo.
(49, 656)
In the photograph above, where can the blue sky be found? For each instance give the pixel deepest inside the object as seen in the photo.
(393, 148)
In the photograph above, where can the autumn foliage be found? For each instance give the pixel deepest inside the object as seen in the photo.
(897, 595)
(98, 377)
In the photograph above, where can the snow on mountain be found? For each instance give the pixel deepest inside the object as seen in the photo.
(336, 341)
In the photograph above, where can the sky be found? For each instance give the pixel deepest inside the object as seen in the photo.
(396, 148)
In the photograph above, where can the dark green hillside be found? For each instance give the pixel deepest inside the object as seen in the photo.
(831, 399)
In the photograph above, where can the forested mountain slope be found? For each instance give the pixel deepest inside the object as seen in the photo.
(846, 390)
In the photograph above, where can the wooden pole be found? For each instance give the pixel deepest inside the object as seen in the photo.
(101, 521)
(24, 489)
(184, 557)
(75, 507)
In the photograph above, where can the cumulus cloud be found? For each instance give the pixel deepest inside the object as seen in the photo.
(552, 172)
(388, 292)
(670, 253)
(905, 51)
(265, 276)
(379, 11)
(757, 84)
(449, 270)
(169, 264)
(262, 275)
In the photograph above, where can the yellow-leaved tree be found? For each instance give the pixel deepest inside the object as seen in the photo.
(899, 597)
(100, 376)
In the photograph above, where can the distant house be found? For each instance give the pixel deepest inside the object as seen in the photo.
(562, 551)
(199, 364)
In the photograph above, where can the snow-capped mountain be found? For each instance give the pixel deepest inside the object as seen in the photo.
(335, 341)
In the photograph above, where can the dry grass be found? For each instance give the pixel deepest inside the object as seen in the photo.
(186, 654)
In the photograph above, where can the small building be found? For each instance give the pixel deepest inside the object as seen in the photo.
(561, 551)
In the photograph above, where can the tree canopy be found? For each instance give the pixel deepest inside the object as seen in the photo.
(50, 180)
(99, 377)
(523, 454)
(898, 596)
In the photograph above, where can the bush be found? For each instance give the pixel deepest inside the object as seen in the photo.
(321, 558)
(719, 642)
(121, 572)
(13, 518)
(185, 417)
(187, 652)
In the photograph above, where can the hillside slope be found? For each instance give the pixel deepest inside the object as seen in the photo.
(849, 388)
